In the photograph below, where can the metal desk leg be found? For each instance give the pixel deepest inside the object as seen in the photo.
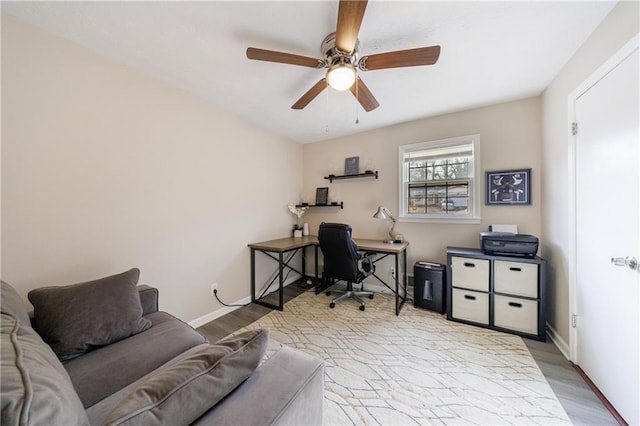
(397, 285)
(253, 275)
(405, 281)
(406, 275)
(315, 248)
(304, 262)
(281, 281)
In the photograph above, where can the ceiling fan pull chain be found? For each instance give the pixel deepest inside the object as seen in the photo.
(326, 127)
(357, 100)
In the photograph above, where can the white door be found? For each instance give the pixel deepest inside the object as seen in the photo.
(607, 226)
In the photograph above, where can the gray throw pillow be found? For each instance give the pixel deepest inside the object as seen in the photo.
(11, 304)
(77, 318)
(183, 392)
(36, 389)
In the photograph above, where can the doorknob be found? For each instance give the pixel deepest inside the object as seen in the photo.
(629, 261)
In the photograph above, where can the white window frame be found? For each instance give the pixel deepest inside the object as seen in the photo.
(475, 184)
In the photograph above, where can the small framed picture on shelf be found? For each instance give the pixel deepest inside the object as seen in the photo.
(511, 187)
(352, 165)
(322, 195)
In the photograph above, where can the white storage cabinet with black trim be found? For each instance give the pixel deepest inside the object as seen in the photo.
(505, 293)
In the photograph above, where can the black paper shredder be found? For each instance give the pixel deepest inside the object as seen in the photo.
(429, 283)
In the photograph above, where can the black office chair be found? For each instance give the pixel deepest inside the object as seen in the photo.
(343, 261)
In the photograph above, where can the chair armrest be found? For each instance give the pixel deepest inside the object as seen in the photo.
(365, 263)
(148, 299)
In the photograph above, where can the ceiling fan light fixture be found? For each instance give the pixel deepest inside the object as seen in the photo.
(341, 76)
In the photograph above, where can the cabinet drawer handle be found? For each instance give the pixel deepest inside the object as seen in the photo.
(515, 305)
(469, 297)
(513, 268)
(469, 265)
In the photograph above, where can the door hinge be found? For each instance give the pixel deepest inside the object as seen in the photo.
(574, 320)
(574, 128)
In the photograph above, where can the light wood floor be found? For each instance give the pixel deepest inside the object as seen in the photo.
(578, 400)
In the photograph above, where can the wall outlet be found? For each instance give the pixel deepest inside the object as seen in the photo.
(214, 288)
(393, 272)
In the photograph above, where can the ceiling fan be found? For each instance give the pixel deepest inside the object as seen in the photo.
(342, 60)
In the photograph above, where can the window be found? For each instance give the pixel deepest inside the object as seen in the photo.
(438, 180)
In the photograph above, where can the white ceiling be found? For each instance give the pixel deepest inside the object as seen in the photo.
(491, 52)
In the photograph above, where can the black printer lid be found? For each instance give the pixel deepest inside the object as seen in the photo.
(508, 236)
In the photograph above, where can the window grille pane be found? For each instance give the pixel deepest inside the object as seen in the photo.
(447, 198)
(442, 169)
(417, 174)
(417, 200)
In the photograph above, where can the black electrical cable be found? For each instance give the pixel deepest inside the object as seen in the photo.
(215, 294)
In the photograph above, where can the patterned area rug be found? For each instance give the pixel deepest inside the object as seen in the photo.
(417, 368)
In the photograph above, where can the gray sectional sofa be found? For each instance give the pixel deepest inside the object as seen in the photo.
(101, 353)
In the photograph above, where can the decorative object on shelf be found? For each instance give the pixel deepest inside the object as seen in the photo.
(352, 165)
(368, 166)
(512, 187)
(367, 173)
(322, 195)
(299, 212)
(382, 214)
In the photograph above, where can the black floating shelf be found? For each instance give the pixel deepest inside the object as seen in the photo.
(335, 204)
(331, 178)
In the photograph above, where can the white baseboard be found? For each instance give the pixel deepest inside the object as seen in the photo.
(562, 346)
(199, 322)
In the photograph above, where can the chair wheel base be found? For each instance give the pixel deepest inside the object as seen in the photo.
(362, 307)
(371, 296)
(328, 293)
(332, 305)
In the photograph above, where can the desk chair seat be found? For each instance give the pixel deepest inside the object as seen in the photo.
(344, 262)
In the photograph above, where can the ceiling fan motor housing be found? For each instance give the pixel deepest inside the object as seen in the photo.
(333, 56)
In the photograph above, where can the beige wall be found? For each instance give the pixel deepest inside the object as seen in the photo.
(510, 139)
(105, 168)
(611, 35)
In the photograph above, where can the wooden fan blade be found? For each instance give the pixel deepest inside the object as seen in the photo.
(310, 95)
(283, 58)
(400, 58)
(350, 14)
(364, 96)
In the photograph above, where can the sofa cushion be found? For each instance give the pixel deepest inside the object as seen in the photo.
(77, 318)
(98, 374)
(11, 304)
(287, 389)
(184, 391)
(36, 389)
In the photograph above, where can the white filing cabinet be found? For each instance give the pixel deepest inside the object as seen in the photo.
(500, 292)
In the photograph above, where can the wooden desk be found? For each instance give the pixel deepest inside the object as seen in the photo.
(281, 246)
(384, 250)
